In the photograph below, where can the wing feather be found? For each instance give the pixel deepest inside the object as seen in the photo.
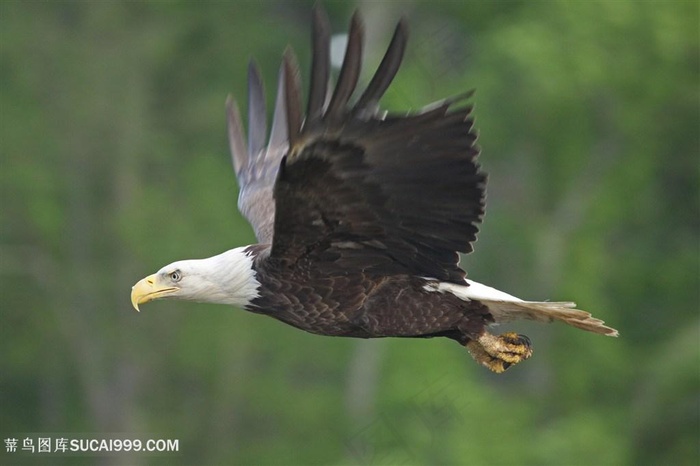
(257, 119)
(292, 93)
(278, 134)
(349, 72)
(236, 140)
(257, 171)
(321, 66)
(387, 69)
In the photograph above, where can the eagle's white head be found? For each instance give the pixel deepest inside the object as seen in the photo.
(228, 278)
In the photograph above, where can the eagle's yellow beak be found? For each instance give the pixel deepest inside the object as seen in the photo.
(149, 289)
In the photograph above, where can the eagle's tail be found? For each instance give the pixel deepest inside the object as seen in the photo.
(507, 308)
(505, 311)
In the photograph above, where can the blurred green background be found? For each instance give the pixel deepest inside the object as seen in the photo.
(114, 162)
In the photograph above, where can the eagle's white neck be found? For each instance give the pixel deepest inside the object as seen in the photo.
(227, 278)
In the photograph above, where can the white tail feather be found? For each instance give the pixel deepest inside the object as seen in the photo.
(506, 308)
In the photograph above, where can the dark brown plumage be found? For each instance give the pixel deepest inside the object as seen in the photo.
(328, 301)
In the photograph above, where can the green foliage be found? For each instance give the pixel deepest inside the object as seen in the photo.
(114, 161)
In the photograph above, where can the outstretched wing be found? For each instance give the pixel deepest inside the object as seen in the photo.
(256, 165)
(384, 194)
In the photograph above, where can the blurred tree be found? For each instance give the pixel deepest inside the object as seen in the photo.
(589, 124)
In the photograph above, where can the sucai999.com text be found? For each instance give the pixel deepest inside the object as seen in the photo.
(95, 445)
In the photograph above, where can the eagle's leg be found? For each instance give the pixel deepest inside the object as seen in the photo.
(499, 352)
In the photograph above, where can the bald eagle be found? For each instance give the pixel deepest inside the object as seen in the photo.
(360, 215)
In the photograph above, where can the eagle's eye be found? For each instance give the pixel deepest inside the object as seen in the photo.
(175, 276)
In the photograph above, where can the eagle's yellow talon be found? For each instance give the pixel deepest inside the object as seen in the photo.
(499, 352)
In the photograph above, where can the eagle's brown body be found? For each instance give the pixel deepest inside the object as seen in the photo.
(361, 305)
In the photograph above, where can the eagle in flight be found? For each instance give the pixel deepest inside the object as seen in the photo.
(360, 215)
